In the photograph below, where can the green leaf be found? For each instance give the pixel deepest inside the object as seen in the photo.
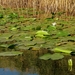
(24, 48)
(62, 34)
(45, 56)
(42, 32)
(13, 28)
(13, 15)
(57, 56)
(30, 19)
(39, 41)
(5, 37)
(62, 50)
(51, 28)
(4, 45)
(12, 53)
(26, 28)
(1, 15)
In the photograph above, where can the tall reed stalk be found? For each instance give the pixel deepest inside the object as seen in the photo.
(42, 6)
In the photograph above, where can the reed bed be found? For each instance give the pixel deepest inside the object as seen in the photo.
(42, 6)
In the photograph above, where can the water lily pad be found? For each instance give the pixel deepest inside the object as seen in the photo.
(5, 35)
(13, 28)
(62, 50)
(23, 48)
(39, 41)
(29, 43)
(26, 28)
(12, 53)
(23, 37)
(46, 56)
(62, 33)
(46, 46)
(4, 45)
(57, 56)
(35, 48)
(42, 32)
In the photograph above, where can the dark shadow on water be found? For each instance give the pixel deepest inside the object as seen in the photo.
(30, 64)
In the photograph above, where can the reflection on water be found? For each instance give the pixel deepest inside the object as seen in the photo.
(29, 64)
(6, 71)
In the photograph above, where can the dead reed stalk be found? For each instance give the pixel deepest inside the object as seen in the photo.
(44, 6)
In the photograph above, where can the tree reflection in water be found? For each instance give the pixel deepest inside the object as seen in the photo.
(30, 64)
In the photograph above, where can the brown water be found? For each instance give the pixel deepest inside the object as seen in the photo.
(30, 64)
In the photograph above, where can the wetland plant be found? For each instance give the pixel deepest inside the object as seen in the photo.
(41, 33)
(13, 15)
(1, 15)
(58, 55)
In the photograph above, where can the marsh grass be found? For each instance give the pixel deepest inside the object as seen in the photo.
(39, 7)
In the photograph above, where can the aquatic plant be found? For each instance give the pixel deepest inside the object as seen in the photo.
(55, 56)
(1, 15)
(13, 15)
(11, 53)
(70, 64)
(41, 33)
(54, 24)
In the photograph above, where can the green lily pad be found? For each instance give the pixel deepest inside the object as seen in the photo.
(62, 33)
(23, 37)
(4, 45)
(26, 28)
(39, 41)
(12, 53)
(46, 56)
(42, 32)
(62, 50)
(5, 35)
(57, 56)
(29, 43)
(35, 48)
(13, 28)
(23, 48)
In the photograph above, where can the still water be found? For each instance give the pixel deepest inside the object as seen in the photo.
(30, 64)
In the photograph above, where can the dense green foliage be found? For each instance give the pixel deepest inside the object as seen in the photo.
(20, 33)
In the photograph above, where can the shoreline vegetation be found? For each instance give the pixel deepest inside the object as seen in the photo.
(41, 8)
(36, 25)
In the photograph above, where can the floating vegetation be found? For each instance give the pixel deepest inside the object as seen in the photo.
(45, 56)
(41, 33)
(55, 56)
(11, 53)
(21, 33)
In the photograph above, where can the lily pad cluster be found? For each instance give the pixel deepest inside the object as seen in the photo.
(55, 56)
(21, 33)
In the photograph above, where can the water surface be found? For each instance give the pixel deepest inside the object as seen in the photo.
(30, 64)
